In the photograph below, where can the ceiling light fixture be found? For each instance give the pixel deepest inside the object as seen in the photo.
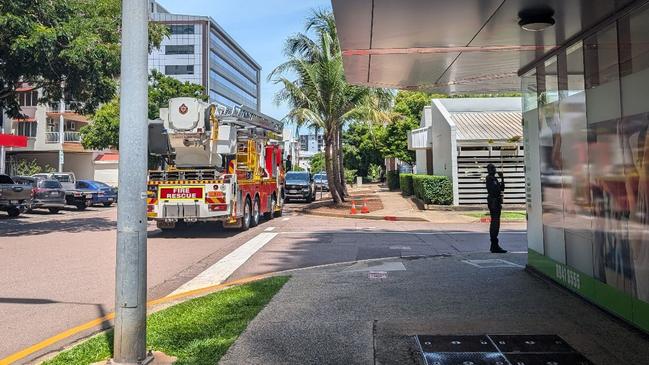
(536, 20)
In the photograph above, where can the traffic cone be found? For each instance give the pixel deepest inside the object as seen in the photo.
(365, 209)
(353, 210)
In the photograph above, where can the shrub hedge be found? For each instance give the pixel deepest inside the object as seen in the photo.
(393, 180)
(405, 183)
(436, 190)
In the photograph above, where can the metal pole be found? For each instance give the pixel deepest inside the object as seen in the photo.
(61, 126)
(131, 268)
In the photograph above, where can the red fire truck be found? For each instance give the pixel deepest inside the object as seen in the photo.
(215, 164)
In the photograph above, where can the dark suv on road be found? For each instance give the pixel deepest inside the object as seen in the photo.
(299, 185)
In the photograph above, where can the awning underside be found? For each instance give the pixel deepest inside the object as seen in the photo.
(453, 46)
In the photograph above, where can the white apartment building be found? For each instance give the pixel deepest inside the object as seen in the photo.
(310, 144)
(41, 127)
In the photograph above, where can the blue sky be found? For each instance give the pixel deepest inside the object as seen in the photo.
(260, 27)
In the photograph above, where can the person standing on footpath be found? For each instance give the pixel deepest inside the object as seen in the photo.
(289, 163)
(495, 191)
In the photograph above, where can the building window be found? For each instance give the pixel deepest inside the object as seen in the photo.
(241, 76)
(179, 49)
(304, 142)
(222, 100)
(29, 98)
(179, 69)
(233, 54)
(27, 129)
(176, 29)
(249, 99)
(70, 125)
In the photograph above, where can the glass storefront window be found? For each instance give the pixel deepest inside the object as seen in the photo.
(574, 160)
(550, 144)
(530, 92)
(633, 142)
(593, 142)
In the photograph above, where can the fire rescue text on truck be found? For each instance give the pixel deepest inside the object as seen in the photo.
(216, 164)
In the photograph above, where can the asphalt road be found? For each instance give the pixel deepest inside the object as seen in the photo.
(57, 271)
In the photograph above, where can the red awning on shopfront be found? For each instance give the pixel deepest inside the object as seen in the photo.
(10, 140)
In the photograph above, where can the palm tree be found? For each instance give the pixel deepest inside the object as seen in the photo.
(315, 88)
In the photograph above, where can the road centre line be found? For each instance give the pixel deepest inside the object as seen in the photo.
(220, 271)
(269, 229)
(285, 219)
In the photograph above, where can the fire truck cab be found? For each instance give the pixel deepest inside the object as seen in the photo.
(215, 163)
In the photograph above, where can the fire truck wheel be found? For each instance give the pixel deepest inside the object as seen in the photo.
(271, 210)
(254, 221)
(245, 220)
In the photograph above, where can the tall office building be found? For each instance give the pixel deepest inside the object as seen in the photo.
(198, 50)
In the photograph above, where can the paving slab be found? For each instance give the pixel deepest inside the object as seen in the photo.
(337, 314)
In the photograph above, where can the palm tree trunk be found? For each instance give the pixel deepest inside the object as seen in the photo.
(329, 167)
(336, 165)
(341, 161)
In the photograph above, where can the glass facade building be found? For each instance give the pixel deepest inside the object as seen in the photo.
(200, 51)
(586, 112)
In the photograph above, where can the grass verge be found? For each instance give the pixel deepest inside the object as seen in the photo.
(508, 215)
(198, 331)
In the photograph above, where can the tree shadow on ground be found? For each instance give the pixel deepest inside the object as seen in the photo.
(74, 225)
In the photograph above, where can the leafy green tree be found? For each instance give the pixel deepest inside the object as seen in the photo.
(28, 168)
(411, 103)
(363, 144)
(162, 88)
(407, 111)
(103, 132)
(395, 139)
(45, 42)
(317, 163)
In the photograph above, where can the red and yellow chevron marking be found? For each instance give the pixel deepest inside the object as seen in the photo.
(215, 197)
(215, 200)
(152, 201)
(186, 182)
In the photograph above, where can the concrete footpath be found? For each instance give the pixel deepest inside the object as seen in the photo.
(394, 207)
(368, 312)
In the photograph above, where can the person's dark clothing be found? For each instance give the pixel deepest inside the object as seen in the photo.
(495, 191)
(289, 165)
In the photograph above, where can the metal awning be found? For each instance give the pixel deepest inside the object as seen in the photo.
(454, 46)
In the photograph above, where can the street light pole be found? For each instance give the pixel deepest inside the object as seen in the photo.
(61, 126)
(131, 268)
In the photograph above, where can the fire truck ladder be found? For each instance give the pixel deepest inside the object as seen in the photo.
(254, 124)
(248, 118)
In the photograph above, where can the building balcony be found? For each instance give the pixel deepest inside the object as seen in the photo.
(421, 138)
(68, 137)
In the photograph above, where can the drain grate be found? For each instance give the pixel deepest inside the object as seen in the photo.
(499, 350)
(491, 263)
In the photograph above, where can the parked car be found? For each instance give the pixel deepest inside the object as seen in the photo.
(101, 193)
(299, 185)
(321, 182)
(14, 198)
(73, 196)
(46, 194)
